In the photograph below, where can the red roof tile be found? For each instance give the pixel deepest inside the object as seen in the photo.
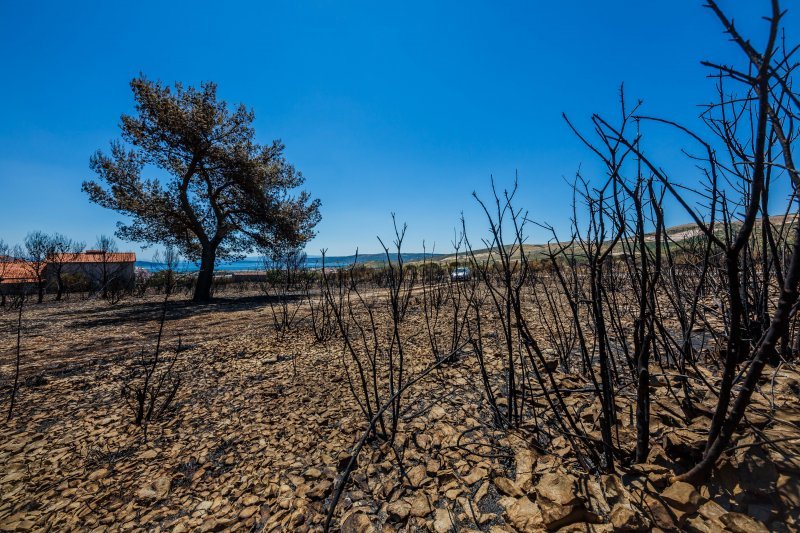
(17, 271)
(96, 256)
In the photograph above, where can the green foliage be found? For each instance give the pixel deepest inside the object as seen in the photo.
(223, 194)
(76, 282)
(164, 281)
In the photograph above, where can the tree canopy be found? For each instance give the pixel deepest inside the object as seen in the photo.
(223, 195)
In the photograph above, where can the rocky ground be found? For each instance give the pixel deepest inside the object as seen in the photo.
(262, 426)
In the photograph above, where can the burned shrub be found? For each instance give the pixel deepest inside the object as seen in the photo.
(151, 382)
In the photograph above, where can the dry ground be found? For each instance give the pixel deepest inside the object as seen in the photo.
(261, 426)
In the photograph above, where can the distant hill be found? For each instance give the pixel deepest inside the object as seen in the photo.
(377, 258)
(677, 233)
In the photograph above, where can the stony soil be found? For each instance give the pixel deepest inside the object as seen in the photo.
(262, 426)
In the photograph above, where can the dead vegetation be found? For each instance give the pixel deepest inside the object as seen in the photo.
(260, 433)
(633, 378)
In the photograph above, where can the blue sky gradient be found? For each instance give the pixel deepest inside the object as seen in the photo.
(384, 107)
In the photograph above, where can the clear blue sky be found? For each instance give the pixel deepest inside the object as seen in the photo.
(402, 107)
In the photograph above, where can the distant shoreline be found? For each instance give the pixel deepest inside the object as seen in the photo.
(257, 265)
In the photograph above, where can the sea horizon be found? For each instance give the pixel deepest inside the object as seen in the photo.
(258, 263)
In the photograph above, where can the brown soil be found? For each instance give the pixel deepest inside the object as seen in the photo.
(262, 425)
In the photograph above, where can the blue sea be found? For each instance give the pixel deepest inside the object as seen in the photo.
(312, 262)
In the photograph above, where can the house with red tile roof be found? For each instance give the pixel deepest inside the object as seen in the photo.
(95, 268)
(100, 269)
(16, 271)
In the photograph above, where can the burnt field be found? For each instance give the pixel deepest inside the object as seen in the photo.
(274, 394)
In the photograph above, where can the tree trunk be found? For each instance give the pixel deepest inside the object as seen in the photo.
(777, 328)
(202, 290)
(60, 287)
(734, 350)
(105, 279)
(643, 409)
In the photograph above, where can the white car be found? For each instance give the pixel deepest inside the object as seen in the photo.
(461, 274)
